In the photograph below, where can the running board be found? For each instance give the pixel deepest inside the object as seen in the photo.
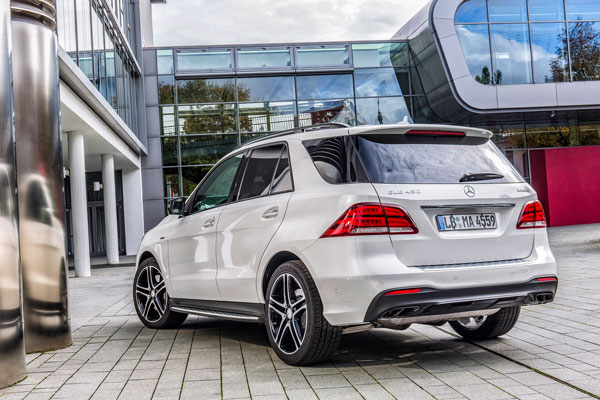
(215, 314)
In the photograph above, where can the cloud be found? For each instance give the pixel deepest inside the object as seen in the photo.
(204, 22)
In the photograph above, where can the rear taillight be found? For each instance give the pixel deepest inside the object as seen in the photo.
(372, 219)
(532, 216)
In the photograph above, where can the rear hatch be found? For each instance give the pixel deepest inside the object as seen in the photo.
(463, 195)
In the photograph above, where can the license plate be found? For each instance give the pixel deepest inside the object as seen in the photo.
(466, 222)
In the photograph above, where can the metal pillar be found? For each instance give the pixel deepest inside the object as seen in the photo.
(110, 209)
(40, 175)
(12, 347)
(133, 209)
(79, 209)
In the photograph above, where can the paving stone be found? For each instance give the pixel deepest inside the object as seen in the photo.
(115, 356)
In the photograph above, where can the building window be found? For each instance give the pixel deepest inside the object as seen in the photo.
(206, 91)
(380, 55)
(274, 88)
(550, 52)
(475, 42)
(511, 54)
(525, 50)
(264, 58)
(322, 56)
(197, 60)
(380, 111)
(164, 61)
(324, 86)
(267, 117)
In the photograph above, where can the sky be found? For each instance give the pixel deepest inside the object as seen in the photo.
(210, 22)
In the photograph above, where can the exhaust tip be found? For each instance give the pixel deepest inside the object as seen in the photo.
(542, 298)
(401, 312)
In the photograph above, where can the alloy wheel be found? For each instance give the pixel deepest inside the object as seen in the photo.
(151, 293)
(287, 313)
(472, 322)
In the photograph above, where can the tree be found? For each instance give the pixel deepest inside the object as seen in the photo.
(485, 77)
(584, 42)
(212, 117)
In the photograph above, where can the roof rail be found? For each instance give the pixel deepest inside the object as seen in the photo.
(301, 129)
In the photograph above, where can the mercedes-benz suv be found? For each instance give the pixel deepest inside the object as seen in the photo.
(330, 229)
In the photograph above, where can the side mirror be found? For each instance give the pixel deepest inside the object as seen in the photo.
(177, 206)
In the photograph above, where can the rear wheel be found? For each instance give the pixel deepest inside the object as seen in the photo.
(487, 327)
(296, 328)
(151, 298)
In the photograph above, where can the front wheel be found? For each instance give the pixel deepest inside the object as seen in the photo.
(487, 327)
(151, 298)
(296, 328)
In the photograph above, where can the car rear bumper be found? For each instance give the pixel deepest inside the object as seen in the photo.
(350, 273)
(433, 302)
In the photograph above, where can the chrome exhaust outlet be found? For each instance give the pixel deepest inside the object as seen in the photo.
(394, 323)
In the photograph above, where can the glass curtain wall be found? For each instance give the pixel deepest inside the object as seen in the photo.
(213, 99)
(85, 33)
(509, 42)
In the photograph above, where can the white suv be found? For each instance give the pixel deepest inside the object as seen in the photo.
(330, 229)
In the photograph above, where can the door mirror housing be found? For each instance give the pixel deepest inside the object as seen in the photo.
(177, 206)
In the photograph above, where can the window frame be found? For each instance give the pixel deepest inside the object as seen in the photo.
(240, 178)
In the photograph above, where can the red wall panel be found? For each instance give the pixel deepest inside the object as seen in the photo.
(568, 184)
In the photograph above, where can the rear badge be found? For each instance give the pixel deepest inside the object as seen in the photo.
(404, 191)
(469, 191)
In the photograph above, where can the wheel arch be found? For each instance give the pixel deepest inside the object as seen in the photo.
(144, 256)
(275, 261)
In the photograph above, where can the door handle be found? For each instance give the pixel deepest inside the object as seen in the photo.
(271, 212)
(209, 222)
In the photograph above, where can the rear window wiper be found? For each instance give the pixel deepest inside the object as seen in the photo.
(481, 176)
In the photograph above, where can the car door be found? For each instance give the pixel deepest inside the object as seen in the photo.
(192, 240)
(247, 224)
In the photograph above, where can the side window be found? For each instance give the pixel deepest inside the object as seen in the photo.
(282, 180)
(215, 190)
(336, 159)
(259, 173)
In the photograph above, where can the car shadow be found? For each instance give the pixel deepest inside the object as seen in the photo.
(367, 348)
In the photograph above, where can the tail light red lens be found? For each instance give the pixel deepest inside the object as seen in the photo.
(547, 279)
(404, 291)
(532, 216)
(372, 219)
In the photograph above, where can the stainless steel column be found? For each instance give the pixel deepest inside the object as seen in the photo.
(12, 349)
(40, 175)
(110, 209)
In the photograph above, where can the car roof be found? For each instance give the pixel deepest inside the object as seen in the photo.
(319, 131)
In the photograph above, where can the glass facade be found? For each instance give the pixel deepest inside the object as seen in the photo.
(213, 99)
(508, 42)
(95, 44)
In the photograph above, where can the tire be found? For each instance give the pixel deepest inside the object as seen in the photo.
(151, 299)
(491, 326)
(305, 338)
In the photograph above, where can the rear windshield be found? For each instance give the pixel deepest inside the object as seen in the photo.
(411, 159)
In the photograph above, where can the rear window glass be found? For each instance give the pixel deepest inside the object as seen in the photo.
(410, 159)
(336, 160)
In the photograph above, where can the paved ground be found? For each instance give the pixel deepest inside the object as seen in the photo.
(553, 352)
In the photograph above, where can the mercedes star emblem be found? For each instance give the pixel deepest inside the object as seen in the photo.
(469, 191)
